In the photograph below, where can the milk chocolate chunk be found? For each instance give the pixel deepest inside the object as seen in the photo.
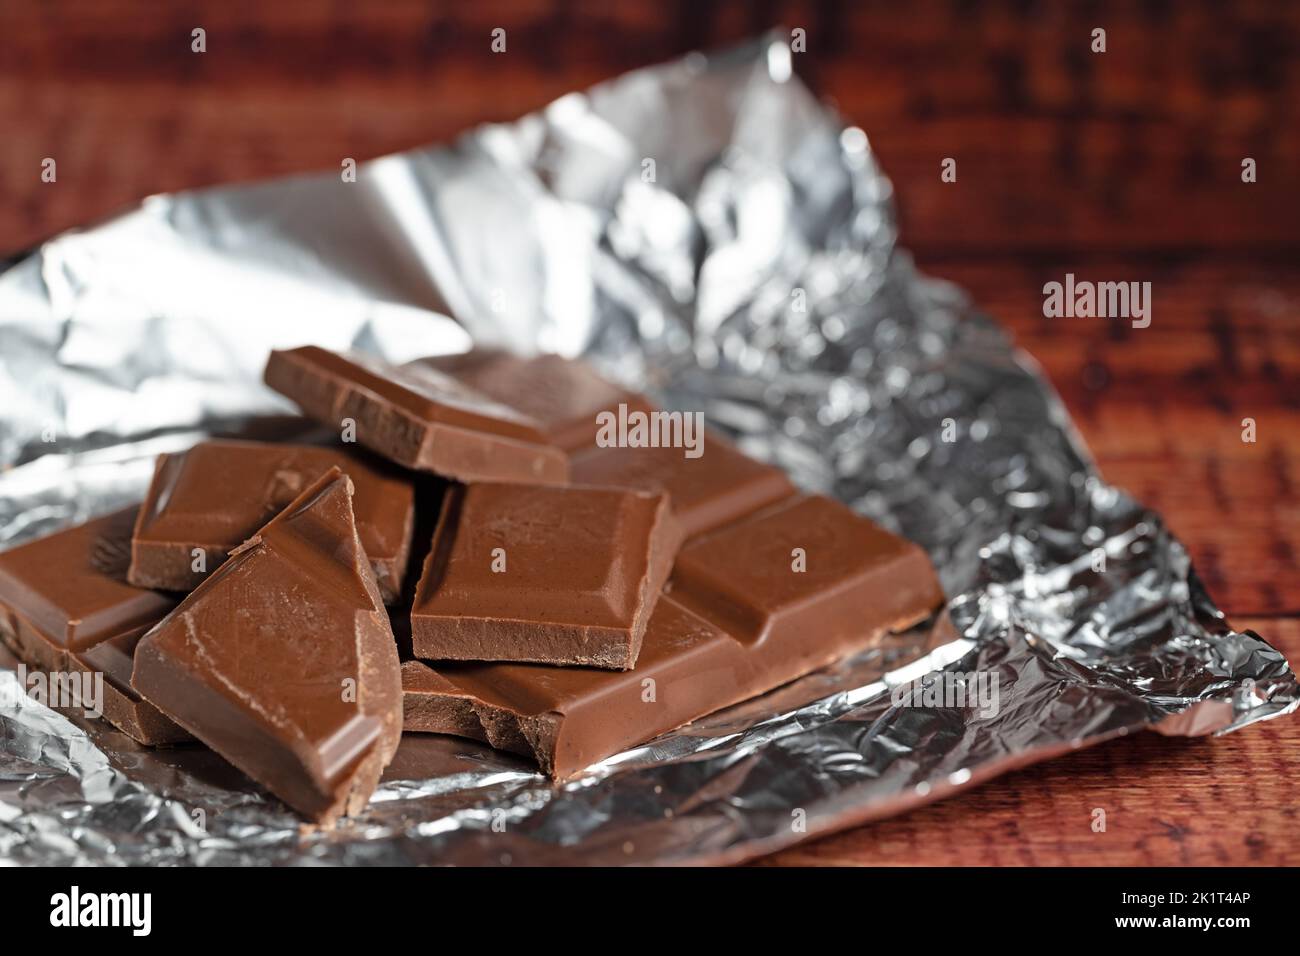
(808, 566)
(558, 575)
(418, 416)
(283, 660)
(214, 496)
(706, 492)
(567, 718)
(563, 396)
(65, 596)
(714, 639)
(122, 706)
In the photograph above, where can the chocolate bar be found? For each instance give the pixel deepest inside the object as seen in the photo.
(707, 492)
(417, 416)
(64, 601)
(122, 706)
(559, 575)
(206, 501)
(562, 395)
(283, 661)
(752, 606)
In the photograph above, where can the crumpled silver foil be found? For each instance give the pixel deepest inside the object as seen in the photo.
(706, 230)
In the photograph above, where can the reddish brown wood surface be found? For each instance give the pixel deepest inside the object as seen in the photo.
(1115, 166)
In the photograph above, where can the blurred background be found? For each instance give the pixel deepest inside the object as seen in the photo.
(1117, 166)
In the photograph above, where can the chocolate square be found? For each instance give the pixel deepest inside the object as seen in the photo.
(548, 574)
(215, 495)
(563, 396)
(716, 488)
(417, 416)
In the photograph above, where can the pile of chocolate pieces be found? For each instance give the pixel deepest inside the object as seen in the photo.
(473, 551)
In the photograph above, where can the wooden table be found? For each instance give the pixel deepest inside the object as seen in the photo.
(1124, 165)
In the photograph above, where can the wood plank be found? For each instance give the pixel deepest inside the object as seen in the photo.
(1135, 148)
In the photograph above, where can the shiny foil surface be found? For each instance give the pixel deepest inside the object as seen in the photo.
(708, 231)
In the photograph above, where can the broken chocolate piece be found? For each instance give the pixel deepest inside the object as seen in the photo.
(417, 416)
(563, 396)
(707, 492)
(754, 622)
(68, 590)
(534, 573)
(64, 596)
(283, 660)
(214, 496)
(122, 706)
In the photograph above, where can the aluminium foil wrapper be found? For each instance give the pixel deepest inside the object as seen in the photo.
(707, 231)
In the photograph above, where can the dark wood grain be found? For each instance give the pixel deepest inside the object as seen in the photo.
(1057, 147)
(1123, 165)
